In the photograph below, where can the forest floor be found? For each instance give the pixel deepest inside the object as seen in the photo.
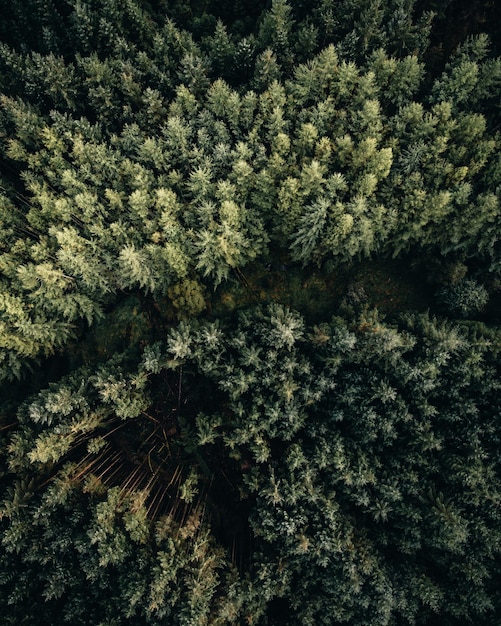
(388, 285)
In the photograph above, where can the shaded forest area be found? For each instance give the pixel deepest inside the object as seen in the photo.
(250, 291)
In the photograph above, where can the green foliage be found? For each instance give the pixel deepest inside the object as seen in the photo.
(161, 161)
(187, 297)
(360, 27)
(336, 162)
(367, 456)
(463, 299)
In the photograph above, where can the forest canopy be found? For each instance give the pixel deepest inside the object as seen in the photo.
(250, 279)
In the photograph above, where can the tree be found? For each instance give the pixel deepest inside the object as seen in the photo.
(464, 298)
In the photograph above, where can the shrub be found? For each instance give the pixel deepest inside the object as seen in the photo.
(463, 299)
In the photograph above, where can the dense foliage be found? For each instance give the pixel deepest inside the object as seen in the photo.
(170, 451)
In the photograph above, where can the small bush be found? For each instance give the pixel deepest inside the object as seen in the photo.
(463, 299)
